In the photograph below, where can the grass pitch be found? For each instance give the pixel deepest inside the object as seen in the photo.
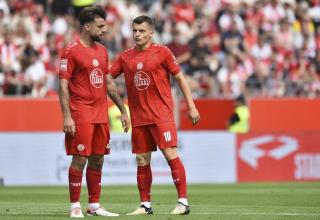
(217, 201)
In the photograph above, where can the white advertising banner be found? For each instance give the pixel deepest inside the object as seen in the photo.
(39, 159)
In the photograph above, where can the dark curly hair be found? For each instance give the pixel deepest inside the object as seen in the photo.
(88, 14)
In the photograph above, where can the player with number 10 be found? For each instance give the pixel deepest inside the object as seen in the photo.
(147, 68)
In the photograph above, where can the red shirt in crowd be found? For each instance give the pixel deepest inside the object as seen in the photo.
(147, 76)
(184, 12)
(85, 68)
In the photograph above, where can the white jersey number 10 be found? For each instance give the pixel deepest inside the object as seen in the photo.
(167, 136)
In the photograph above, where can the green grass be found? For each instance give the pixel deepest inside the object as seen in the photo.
(217, 201)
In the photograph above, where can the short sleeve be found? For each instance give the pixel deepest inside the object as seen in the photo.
(170, 62)
(66, 65)
(116, 67)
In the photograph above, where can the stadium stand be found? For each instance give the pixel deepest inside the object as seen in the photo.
(263, 48)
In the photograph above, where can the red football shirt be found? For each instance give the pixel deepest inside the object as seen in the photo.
(147, 76)
(85, 68)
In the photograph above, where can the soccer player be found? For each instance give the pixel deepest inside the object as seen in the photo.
(147, 68)
(84, 83)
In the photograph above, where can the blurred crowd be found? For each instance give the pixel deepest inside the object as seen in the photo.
(260, 48)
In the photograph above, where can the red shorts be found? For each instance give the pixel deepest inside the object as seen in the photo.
(146, 138)
(89, 139)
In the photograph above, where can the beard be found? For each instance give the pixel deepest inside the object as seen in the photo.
(96, 38)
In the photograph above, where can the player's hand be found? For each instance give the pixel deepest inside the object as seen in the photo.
(125, 122)
(69, 127)
(194, 115)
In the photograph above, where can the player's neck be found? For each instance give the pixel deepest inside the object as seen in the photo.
(143, 47)
(86, 41)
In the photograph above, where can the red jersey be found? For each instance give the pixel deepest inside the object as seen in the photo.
(147, 76)
(85, 68)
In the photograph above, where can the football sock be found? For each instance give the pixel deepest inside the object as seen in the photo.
(75, 205)
(146, 204)
(144, 179)
(93, 178)
(93, 206)
(184, 201)
(75, 180)
(179, 177)
(149, 180)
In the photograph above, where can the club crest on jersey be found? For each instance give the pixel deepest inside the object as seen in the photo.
(80, 147)
(139, 66)
(141, 80)
(96, 78)
(95, 62)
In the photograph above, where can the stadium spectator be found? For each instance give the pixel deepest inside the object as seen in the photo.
(147, 68)
(35, 76)
(284, 26)
(9, 54)
(232, 77)
(180, 49)
(59, 7)
(4, 7)
(239, 120)
(10, 83)
(115, 116)
(199, 66)
(183, 11)
(84, 83)
(261, 50)
(256, 84)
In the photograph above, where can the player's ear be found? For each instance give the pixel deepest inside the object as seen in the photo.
(87, 27)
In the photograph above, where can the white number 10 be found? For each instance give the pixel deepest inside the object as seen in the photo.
(167, 136)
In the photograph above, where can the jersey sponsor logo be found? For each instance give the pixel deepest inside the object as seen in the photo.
(139, 66)
(141, 80)
(80, 147)
(63, 64)
(96, 78)
(95, 62)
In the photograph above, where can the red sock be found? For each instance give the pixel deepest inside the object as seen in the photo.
(93, 178)
(179, 177)
(148, 180)
(144, 179)
(75, 180)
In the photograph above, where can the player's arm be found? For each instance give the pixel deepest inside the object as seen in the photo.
(194, 115)
(113, 94)
(64, 97)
